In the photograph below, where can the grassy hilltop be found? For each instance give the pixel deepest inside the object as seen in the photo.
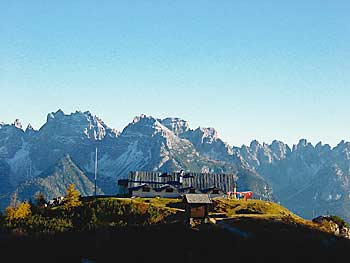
(152, 230)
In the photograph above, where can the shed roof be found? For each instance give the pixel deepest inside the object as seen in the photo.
(197, 199)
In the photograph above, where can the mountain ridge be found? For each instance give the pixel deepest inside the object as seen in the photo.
(273, 170)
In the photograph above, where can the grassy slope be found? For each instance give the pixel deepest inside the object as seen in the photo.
(266, 218)
(252, 210)
(275, 235)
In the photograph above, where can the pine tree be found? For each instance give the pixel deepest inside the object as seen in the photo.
(23, 210)
(17, 209)
(72, 198)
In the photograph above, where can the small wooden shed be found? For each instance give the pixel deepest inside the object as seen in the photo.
(197, 205)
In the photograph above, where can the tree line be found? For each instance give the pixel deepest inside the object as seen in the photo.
(77, 213)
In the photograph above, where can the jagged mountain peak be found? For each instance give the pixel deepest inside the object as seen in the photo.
(147, 122)
(77, 124)
(209, 132)
(278, 144)
(30, 130)
(85, 112)
(318, 145)
(204, 135)
(343, 144)
(17, 124)
(146, 125)
(143, 118)
(302, 144)
(59, 114)
(280, 149)
(29, 127)
(323, 147)
(255, 145)
(53, 115)
(177, 125)
(342, 149)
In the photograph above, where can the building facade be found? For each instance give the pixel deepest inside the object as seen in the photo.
(176, 184)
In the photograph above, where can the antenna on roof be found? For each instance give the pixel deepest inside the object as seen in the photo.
(95, 170)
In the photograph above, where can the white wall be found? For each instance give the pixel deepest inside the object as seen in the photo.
(165, 194)
(140, 193)
(220, 194)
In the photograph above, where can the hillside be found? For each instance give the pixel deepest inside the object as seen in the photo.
(140, 229)
(147, 143)
(308, 179)
(54, 182)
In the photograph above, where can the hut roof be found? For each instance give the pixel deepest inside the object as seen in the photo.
(163, 187)
(188, 175)
(165, 175)
(197, 199)
(187, 188)
(135, 188)
(211, 189)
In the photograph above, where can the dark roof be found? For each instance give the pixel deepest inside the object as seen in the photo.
(188, 175)
(123, 182)
(165, 175)
(173, 183)
(197, 180)
(158, 189)
(211, 188)
(189, 188)
(197, 199)
(135, 188)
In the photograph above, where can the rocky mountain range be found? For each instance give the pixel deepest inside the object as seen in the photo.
(309, 180)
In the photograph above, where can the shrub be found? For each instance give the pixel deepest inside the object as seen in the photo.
(22, 210)
(339, 221)
(39, 224)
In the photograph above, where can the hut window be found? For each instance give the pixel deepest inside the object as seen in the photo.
(192, 191)
(215, 191)
(169, 190)
(146, 189)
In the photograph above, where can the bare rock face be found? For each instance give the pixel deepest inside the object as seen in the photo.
(334, 224)
(345, 232)
(176, 125)
(303, 177)
(17, 124)
(147, 143)
(334, 228)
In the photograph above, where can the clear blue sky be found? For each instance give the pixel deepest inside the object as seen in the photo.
(252, 69)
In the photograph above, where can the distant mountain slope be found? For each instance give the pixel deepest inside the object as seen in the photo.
(146, 143)
(308, 179)
(301, 177)
(55, 181)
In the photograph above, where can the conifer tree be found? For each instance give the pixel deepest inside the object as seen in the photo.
(72, 198)
(17, 209)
